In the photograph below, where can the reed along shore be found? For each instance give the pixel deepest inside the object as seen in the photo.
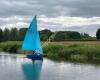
(78, 51)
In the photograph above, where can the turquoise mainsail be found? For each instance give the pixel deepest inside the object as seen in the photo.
(32, 40)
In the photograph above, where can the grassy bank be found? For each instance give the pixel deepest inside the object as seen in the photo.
(70, 50)
(12, 47)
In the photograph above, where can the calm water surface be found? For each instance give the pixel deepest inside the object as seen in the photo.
(15, 67)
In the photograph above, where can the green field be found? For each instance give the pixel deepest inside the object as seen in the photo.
(88, 43)
(67, 50)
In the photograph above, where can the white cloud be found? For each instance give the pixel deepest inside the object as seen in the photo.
(17, 25)
(81, 24)
(71, 21)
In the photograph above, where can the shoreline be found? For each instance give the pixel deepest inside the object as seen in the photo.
(63, 51)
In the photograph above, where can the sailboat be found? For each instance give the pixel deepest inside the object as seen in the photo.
(32, 42)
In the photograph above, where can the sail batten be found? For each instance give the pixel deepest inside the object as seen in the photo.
(32, 39)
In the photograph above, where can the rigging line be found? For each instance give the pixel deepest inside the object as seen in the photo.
(49, 39)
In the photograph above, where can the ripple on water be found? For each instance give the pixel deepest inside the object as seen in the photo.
(16, 67)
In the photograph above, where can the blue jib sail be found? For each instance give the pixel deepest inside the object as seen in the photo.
(32, 39)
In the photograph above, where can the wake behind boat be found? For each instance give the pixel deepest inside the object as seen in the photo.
(32, 42)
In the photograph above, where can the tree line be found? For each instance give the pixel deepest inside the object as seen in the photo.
(15, 34)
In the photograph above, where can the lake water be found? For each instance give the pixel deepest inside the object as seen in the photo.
(15, 67)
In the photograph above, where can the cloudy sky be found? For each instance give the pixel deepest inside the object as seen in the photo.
(73, 15)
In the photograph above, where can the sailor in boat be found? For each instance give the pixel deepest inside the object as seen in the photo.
(35, 56)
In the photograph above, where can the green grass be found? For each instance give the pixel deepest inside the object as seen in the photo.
(73, 52)
(79, 51)
(12, 47)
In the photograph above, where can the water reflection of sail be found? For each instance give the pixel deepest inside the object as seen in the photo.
(32, 71)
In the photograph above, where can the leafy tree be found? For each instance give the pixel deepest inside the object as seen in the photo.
(6, 34)
(22, 32)
(98, 34)
(85, 36)
(1, 35)
(74, 35)
(14, 34)
(45, 34)
(66, 35)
